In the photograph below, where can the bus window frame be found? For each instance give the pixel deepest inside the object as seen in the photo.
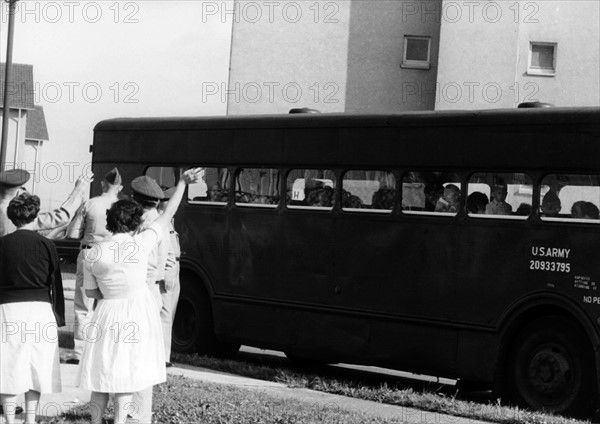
(321, 209)
(195, 203)
(533, 177)
(394, 172)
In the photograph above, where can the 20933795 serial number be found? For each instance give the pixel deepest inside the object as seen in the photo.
(551, 266)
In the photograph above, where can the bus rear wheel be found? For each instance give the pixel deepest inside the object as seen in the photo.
(193, 326)
(551, 368)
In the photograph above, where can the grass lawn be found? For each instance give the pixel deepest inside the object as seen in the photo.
(184, 401)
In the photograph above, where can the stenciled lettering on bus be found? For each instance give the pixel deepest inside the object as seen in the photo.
(456, 244)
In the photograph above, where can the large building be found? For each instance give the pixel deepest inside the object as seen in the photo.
(27, 129)
(401, 55)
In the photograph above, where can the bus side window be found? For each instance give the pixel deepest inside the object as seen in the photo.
(431, 193)
(499, 195)
(573, 198)
(257, 187)
(212, 189)
(368, 190)
(310, 188)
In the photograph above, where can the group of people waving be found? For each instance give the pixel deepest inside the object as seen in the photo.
(124, 350)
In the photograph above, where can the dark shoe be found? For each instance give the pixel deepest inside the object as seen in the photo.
(168, 364)
(72, 361)
(18, 411)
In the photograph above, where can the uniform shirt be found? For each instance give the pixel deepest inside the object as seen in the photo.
(158, 256)
(174, 251)
(89, 224)
(44, 220)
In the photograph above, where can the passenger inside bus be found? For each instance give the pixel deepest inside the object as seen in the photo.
(498, 204)
(476, 202)
(450, 200)
(433, 192)
(551, 205)
(584, 210)
(318, 195)
(383, 198)
(524, 209)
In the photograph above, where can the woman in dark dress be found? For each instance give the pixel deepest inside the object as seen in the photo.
(31, 309)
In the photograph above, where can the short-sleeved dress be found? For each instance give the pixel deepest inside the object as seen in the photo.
(124, 343)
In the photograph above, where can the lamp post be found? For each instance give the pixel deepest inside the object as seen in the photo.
(7, 78)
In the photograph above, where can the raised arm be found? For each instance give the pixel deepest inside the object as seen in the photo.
(189, 177)
(66, 212)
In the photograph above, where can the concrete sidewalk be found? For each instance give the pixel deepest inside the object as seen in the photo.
(52, 405)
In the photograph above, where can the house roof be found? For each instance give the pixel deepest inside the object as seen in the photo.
(36, 125)
(21, 87)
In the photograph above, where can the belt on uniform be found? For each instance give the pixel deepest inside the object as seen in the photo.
(86, 246)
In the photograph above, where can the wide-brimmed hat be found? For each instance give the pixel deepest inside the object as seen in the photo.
(14, 177)
(147, 187)
(168, 193)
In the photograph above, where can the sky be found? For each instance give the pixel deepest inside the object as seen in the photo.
(94, 60)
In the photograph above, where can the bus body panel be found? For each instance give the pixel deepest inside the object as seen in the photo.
(429, 294)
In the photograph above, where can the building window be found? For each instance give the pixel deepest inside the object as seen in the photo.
(542, 59)
(417, 52)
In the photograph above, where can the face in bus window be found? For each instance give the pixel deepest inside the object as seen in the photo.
(499, 193)
(584, 210)
(551, 205)
(476, 202)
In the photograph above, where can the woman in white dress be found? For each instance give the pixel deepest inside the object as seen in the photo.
(124, 350)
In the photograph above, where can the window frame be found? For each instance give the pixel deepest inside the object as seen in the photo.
(416, 64)
(336, 186)
(536, 70)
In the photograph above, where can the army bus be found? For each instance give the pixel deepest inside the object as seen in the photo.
(455, 244)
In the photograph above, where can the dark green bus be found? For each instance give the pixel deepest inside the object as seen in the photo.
(455, 244)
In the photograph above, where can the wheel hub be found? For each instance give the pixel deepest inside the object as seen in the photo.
(549, 371)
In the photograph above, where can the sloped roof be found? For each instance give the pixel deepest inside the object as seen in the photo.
(21, 86)
(36, 125)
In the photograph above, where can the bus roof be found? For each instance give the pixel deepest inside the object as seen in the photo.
(557, 138)
(541, 116)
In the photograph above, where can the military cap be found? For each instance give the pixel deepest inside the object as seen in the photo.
(14, 177)
(168, 193)
(147, 187)
(113, 177)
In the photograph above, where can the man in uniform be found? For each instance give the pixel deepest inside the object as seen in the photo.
(170, 289)
(148, 193)
(89, 226)
(11, 183)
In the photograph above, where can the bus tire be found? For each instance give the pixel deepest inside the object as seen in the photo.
(551, 368)
(193, 326)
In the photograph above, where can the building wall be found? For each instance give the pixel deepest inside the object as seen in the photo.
(376, 81)
(575, 26)
(15, 138)
(295, 55)
(484, 53)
